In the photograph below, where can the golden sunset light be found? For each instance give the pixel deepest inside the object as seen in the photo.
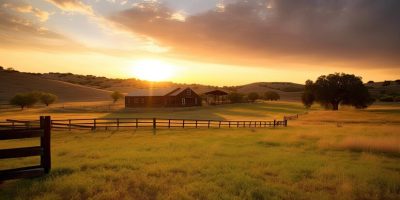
(153, 70)
(200, 99)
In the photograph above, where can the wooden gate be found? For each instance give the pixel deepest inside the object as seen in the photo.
(43, 132)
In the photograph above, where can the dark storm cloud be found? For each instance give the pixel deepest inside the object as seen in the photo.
(335, 31)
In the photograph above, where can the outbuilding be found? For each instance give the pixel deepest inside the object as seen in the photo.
(162, 97)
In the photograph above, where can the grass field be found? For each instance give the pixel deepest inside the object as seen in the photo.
(349, 154)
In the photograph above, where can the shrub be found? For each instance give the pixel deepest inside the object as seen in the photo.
(386, 83)
(235, 97)
(116, 96)
(253, 96)
(271, 96)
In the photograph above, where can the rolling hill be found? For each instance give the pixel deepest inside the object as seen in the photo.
(74, 87)
(16, 82)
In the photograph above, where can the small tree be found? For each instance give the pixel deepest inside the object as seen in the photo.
(271, 96)
(23, 100)
(116, 96)
(48, 98)
(235, 97)
(308, 99)
(335, 89)
(253, 96)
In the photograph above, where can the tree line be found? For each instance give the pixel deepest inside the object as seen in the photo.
(24, 100)
(236, 97)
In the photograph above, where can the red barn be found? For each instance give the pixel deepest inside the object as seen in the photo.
(162, 97)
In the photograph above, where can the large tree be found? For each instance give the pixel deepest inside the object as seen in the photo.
(339, 89)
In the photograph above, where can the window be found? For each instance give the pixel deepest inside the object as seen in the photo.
(142, 100)
(183, 101)
(188, 92)
(135, 100)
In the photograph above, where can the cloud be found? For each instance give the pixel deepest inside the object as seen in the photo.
(72, 6)
(26, 8)
(18, 32)
(261, 32)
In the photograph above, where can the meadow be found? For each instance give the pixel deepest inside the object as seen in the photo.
(348, 154)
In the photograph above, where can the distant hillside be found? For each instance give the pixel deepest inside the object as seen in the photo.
(74, 87)
(16, 82)
(287, 91)
(384, 89)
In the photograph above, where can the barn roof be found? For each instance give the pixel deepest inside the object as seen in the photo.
(153, 91)
(176, 92)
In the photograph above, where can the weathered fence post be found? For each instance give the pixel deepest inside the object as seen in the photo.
(196, 123)
(154, 123)
(69, 125)
(285, 122)
(183, 123)
(169, 123)
(219, 124)
(229, 124)
(45, 159)
(94, 124)
(137, 125)
(274, 123)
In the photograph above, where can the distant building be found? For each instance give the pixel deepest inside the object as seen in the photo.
(162, 97)
(215, 97)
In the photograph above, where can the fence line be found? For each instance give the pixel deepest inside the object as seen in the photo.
(154, 123)
(43, 132)
(292, 117)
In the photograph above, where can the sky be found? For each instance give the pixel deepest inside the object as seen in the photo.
(213, 42)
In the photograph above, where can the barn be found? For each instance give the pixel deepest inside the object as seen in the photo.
(162, 97)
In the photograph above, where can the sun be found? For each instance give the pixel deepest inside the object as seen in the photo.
(153, 70)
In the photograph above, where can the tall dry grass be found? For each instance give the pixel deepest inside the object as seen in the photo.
(369, 144)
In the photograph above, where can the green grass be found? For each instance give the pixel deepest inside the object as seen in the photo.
(310, 159)
(245, 111)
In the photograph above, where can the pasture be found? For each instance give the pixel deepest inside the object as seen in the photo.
(348, 154)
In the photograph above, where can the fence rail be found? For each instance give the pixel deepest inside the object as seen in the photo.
(42, 132)
(154, 123)
(292, 117)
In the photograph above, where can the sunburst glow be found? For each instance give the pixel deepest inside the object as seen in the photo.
(153, 70)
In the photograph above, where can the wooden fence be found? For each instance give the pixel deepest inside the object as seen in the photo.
(156, 123)
(292, 117)
(43, 132)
